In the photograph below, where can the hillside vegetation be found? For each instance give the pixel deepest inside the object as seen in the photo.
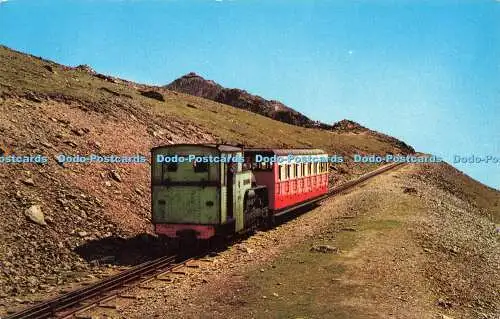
(417, 242)
(59, 222)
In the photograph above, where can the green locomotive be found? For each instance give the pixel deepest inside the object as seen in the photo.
(203, 190)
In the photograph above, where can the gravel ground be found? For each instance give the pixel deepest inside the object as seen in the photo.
(438, 260)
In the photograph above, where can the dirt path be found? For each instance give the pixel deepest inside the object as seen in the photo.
(400, 246)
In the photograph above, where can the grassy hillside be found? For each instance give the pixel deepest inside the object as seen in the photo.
(26, 76)
(95, 211)
(406, 244)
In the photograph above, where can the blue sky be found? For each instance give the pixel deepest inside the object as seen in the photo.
(427, 72)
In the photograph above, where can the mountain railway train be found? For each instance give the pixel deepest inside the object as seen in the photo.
(225, 190)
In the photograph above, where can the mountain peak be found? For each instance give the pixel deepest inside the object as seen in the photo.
(192, 75)
(196, 85)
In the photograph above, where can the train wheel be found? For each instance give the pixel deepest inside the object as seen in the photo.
(217, 242)
(172, 245)
(188, 246)
(203, 246)
(270, 221)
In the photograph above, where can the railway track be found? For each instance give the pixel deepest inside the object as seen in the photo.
(335, 190)
(339, 189)
(76, 302)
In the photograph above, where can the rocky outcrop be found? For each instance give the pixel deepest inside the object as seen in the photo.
(348, 126)
(196, 85)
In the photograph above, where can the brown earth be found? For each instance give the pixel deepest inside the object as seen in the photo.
(94, 215)
(403, 245)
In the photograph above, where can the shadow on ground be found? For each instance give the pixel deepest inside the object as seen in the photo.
(122, 251)
(145, 247)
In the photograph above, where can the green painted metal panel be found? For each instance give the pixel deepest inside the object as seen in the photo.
(186, 204)
(185, 171)
(177, 198)
(190, 203)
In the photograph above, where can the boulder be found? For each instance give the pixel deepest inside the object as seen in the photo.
(35, 214)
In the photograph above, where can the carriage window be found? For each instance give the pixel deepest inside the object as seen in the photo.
(288, 171)
(280, 173)
(200, 167)
(302, 169)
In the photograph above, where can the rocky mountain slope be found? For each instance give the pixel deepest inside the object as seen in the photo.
(193, 84)
(63, 224)
(196, 85)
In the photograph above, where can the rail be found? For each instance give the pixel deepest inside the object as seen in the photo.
(52, 307)
(71, 303)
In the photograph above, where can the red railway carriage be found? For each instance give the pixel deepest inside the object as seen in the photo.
(292, 176)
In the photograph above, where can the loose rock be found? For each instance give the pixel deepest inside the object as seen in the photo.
(29, 182)
(116, 176)
(35, 214)
(324, 249)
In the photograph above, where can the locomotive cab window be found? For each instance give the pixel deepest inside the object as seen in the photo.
(262, 166)
(200, 167)
(167, 168)
(171, 167)
(248, 165)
